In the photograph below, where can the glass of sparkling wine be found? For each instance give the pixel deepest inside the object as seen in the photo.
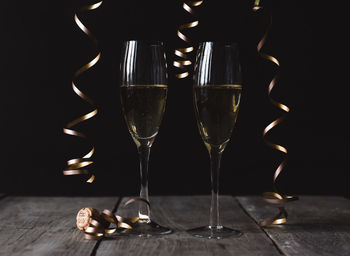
(143, 93)
(217, 94)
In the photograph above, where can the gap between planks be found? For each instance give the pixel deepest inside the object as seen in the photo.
(115, 208)
(261, 228)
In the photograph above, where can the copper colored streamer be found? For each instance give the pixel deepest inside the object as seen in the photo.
(75, 166)
(274, 197)
(98, 225)
(183, 53)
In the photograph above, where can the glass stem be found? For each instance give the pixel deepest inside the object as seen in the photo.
(215, 159)
(144, 211)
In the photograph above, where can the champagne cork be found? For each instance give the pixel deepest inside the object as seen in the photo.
(85, 216)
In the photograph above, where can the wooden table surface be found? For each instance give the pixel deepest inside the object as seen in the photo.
(46, 226)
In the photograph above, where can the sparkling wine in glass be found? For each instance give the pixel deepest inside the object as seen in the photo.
(143, 92)
(217, 94)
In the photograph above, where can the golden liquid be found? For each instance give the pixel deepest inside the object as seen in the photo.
(216, 111)
(143, 108)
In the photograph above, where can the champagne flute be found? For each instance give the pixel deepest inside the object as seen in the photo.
(143, 92)
(217, 94)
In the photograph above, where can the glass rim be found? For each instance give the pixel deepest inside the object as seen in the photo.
(221, 43)
(149, 42)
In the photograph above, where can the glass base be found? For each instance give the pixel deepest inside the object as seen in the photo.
(214, 232)
(147, 229)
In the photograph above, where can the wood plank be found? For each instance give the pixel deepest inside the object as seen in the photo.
(46, 225)
(182, 213)
(316, 225)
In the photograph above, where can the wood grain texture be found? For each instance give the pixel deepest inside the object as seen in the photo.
(316, 225)
(45, 225)
(182, 213)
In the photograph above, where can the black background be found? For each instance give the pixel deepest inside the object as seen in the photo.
(42, 47)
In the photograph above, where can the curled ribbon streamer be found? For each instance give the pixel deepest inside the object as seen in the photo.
(184, 63)
(74, 166)
(274, 197)
(97, 225)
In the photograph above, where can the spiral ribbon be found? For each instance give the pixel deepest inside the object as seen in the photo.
(95, 225)
(183, 53)
(75, 166)
(274, 197)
